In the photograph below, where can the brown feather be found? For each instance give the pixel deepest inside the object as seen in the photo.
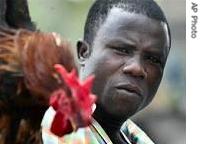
(27, 78)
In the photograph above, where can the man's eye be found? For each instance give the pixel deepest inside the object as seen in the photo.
(122, 50)
(154, 60)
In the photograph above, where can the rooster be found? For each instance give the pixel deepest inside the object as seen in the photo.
(27, 79)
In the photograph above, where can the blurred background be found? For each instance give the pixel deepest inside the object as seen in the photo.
(165, 119)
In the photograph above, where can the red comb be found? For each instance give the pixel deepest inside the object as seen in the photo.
(73, 110)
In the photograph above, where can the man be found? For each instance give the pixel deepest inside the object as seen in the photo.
(125, 45)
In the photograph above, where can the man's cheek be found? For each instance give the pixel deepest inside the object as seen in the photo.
(154, 76)
(110, 66)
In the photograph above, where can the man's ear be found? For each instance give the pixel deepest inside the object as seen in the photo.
(83, 51)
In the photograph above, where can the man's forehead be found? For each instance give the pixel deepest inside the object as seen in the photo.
(115, 13)
(117, 17)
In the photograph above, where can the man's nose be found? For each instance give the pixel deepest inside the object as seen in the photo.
(135, 68)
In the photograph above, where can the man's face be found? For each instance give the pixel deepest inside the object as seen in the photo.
(127, 58)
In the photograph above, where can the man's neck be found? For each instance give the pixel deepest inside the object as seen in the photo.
(110, 124)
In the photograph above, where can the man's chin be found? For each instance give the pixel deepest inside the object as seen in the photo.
(123, 112)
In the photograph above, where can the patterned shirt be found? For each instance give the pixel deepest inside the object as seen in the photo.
(94, 134)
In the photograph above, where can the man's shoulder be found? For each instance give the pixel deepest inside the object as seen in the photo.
(94, 133)
(134, 134)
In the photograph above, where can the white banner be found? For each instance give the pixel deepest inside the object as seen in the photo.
(193, 73)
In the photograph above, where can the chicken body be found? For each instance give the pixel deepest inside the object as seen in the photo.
(27, 78)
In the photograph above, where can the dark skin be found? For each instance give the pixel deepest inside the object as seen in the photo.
(127, 57)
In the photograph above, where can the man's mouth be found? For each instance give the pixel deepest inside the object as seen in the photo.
(128, 88)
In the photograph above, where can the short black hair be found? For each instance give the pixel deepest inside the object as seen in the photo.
(100, 9)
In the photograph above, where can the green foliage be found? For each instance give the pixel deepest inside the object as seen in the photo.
(65, 17)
